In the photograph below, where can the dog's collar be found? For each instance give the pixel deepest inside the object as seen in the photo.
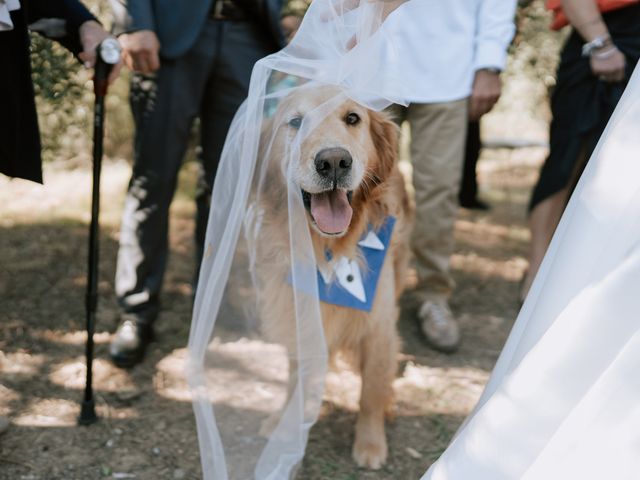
(344, 282)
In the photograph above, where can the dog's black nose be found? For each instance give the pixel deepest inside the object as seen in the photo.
(333, 163)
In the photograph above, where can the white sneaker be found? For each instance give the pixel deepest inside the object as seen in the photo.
(439, 326)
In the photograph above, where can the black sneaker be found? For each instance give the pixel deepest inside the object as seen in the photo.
(130, 341)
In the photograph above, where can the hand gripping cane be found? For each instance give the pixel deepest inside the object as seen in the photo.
(107, 55)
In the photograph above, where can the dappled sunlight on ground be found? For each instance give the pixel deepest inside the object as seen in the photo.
(169, 379)
(145, 413)
(71, 375)
(78, 337)
(490, 234)
(511, 270)
(418, 390)
(20, 363)
(423, 390)
(65, 194)
(146, 429)
(47, 412)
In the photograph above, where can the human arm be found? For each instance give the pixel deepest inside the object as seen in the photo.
(485, 92)
(607, 63)
(134, 23)
(81, 33)
(494, 31)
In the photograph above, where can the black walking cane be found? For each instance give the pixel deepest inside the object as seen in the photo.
(107, 55)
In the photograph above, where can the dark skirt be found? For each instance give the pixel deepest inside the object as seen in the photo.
(582, 104)
(19, 137)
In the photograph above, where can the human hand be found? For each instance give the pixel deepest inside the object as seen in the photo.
(608, 64)
(341, 7)
(484, 93)
(91, 35)
(141, 51)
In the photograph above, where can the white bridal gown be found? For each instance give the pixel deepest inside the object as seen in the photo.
(563, 401)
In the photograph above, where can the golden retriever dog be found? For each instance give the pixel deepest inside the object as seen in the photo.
(348, 177)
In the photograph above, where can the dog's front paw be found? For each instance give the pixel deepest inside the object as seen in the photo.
(370, 453)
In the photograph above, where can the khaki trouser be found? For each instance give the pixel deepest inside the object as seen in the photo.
(438, 133)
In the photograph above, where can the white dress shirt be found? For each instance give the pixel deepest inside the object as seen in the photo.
(441, 43)
(7, 6)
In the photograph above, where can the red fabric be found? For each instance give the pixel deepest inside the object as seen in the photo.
(560, 19)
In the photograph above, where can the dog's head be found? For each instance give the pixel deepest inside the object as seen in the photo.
(341, 153)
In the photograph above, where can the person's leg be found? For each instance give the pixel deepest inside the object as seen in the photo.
(438, 134)
(544, 219)
(468, 196)
(164, 107)
(241, 46)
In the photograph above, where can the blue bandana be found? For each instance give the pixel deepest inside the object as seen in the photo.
(349, 286)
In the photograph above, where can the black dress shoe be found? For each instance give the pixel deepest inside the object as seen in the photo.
(130, 341)
(474, 204)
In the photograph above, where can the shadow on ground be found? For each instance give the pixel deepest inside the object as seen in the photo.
(140, 431)
(146, 428)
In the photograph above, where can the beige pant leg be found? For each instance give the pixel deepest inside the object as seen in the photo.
(438, 133)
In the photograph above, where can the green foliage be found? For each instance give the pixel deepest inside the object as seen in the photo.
(535, 49)
(64, 97)
(53, 71)
(295, 7)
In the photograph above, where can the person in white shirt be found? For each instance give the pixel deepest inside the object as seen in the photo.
(459, 48)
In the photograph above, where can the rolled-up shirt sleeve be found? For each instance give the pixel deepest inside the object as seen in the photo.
(494, 32)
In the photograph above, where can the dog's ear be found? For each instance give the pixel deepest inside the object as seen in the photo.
(385, 134)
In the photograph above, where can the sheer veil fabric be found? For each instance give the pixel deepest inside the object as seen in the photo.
(252, 420)
(563, 400)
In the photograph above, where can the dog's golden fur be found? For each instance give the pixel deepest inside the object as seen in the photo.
(369, 338)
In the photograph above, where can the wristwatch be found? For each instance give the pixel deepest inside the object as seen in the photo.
(595, 44)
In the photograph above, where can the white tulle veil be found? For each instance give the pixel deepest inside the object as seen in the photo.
(251, 423)
(563, 401)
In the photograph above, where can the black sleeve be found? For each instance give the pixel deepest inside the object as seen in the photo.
(72, 12)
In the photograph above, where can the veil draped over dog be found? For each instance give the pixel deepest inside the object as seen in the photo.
(563, 401)
(253, 422)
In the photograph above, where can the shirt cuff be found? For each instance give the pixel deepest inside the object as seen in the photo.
(490, 55)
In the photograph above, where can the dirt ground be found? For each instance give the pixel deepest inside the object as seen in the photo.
(146, 428)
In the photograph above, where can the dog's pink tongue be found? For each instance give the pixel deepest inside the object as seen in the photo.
(331, 211)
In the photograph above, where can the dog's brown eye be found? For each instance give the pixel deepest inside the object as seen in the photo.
(295, 122)
(352, 118)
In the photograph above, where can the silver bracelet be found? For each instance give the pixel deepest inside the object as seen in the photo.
(595, 44)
